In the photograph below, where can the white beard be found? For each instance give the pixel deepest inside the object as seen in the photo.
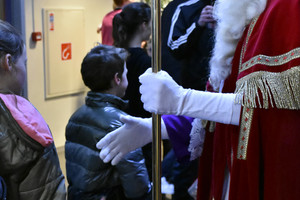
(232, 18)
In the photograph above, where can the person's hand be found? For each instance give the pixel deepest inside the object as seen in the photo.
(206, 16)
(160, 93)
(136, 132)
(99, 28)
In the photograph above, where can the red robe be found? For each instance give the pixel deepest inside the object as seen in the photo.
(262, 153)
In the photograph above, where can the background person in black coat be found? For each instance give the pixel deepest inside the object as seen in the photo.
(187, 41)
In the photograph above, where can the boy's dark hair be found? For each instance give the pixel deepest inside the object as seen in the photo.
(100, 65)
(126, 23)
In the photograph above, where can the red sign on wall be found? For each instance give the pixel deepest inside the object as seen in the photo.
(66, 51)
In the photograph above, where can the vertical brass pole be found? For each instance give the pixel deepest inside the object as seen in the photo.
(156, 157)
(156, 119)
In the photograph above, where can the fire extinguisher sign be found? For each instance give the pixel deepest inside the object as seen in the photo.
(51, 21)
(66, 51)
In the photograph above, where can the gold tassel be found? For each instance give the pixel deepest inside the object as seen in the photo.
(280, 90)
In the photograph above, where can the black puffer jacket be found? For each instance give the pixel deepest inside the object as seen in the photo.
(90, 178)
(31, 171)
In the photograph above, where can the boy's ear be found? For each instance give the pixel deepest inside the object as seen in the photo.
(144, 25)
(117, 79)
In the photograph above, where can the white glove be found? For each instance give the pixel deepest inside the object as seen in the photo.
(136, 132)
(162, 95)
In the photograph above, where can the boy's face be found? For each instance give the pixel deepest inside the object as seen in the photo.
(147, 30)
(124, 82)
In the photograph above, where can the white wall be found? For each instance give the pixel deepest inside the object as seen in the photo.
(57, 111)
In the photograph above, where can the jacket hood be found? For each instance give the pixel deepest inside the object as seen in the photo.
(28, 118)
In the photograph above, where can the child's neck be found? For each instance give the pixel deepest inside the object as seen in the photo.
(135, 42)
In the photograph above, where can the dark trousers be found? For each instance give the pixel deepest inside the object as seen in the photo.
(182, 175)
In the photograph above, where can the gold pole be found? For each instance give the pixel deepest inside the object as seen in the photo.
(156, 157)
(156, 119)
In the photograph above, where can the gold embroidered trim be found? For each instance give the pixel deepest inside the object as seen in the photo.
(251, 27)
(271, 60)
(204, 123)
(212, 125)
(244, 133)
(282, 88)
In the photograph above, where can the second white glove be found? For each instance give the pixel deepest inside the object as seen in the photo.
(136, 132)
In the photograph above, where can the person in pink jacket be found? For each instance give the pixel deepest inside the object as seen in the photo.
(29, 163)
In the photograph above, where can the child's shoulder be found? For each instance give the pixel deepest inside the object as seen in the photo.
(28, 118)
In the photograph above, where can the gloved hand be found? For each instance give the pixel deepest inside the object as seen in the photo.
(136, 132)
(162, 95)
